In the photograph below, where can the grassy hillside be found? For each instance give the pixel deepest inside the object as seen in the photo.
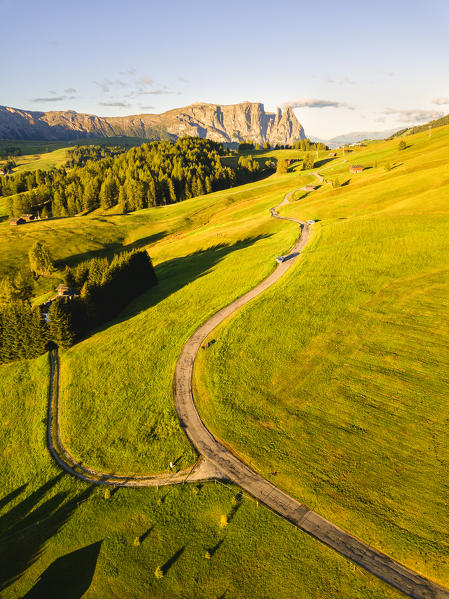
(441, 122)
(117, 412)
(46, 155)
(334, 384)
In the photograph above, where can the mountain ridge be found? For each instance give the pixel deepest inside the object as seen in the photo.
(222, 123)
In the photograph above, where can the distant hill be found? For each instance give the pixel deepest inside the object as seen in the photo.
(354, 137)
(444, 120)
(230, 123)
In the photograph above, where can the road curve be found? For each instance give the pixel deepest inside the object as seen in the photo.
(215, 461)
(238, 472)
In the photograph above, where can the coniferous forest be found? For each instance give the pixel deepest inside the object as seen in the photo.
(153, 174)
(102, 288)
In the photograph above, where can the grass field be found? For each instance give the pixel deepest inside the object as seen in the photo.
(46, 155)
(336, 380)
(117, 412)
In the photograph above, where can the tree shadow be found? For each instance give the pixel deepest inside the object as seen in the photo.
(109, 250)
(322, 162)
(27, 527)
(145, 534)
(174, 558)
(176, 273)
(235, 508)
(213, 550)
(69, 576)
(8, 498)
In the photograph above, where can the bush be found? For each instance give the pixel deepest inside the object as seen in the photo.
(402, 145)
(159, 573)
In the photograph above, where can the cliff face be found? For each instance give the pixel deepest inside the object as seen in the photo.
(232, 123)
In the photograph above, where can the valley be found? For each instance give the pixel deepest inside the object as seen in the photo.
(274, 389)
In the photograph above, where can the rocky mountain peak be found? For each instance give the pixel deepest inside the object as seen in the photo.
(222, 123)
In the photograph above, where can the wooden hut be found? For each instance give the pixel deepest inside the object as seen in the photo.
(356, 168)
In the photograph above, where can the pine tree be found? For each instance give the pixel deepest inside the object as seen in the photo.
(41, 262)
(60, 329)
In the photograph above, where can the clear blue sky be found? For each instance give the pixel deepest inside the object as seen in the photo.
(346, 65)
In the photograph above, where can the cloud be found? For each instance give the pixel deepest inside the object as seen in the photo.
(51, 99)
(440, 101)
(52, 91)
(70, 90)
(412, 115)
(315, 103)
(116, 104)
(339, 80)
(106, 84)
(146, 107)
(145, 81)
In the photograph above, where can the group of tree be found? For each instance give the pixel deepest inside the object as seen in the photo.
(81, 155)
(308, 162)
(153, 174)
(8, 166)
(9, 151)
(105, 288)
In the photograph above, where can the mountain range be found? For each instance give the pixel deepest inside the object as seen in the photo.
(227, 123)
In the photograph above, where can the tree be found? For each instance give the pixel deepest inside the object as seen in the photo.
(60, 332)
(402, 145)
(281, 168)
(41, 262)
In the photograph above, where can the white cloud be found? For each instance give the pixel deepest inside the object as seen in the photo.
(412, 115)
(316, 103)
(440, 101)
(116, 104)
(51, 99)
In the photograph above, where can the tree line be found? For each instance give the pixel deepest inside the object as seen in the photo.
(153, 174)
(106, 287)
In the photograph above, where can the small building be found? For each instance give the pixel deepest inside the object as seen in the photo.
(27, 217)
(17, 221)
(309, 188)
(290, 161)
(356, 168)
(65, 291)
(332, 154)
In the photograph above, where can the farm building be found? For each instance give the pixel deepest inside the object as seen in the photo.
(66, 291)
(17, 221)
(27, 217)
(355, 168)
(332, 154)
(309, 188)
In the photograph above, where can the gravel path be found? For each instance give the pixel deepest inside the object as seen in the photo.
(216, 461)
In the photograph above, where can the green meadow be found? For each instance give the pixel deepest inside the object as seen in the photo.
(333, 384)
(208, 540)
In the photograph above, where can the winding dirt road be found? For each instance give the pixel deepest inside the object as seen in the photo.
(216, 461)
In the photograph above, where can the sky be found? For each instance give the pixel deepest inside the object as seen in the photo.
(343, 66)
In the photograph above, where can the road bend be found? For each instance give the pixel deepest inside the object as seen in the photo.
(376, 562)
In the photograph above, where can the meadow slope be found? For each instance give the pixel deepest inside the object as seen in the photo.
(208, 539)
(334, 384)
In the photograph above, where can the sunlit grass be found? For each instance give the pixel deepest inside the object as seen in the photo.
(336, 380)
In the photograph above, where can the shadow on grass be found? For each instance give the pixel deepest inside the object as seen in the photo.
(26, 528)
(172, 561)
(110, 250)
(69, 576)
(176, 273)
(213, 550)
(320, 163)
